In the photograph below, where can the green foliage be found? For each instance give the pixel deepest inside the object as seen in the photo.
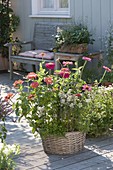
(109, 77)
(54, 104)
(7, 153)
(100, 111)
(93, 71)
(75, 34)
(54, 108)
(8, 24)
(5, 110)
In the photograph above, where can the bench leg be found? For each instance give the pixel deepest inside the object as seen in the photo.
(57, 64)
(34, 68)
(11, 69)
(37, 67)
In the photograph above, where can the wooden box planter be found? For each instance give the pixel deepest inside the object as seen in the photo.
(74, 48)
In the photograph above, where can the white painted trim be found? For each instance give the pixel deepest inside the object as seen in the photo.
(36, 11)
(50, 16)
(34, 6)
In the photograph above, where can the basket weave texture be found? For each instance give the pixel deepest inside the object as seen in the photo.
(72, 143)
(74, 48)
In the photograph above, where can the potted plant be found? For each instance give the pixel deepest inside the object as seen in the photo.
(73, 39)
(56, 106)
(8, 25)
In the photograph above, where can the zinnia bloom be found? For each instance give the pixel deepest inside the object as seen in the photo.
(65, 63)
(86, 58)
(48, 80)
(31, 75)
(31, 96)
(17, 83)
(9, 95)
(34, 84)
(64, 74)
(65, 69)
(86, 87)
(42, 54)
(78, 95)
(50, 66)
(107, 69)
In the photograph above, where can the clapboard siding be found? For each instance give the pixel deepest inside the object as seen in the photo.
(97, 14)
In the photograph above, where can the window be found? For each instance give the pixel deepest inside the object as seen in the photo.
(50, 8)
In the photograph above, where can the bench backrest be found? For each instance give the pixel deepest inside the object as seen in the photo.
(44, 34)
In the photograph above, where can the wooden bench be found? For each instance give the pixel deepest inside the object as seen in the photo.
(43, 39)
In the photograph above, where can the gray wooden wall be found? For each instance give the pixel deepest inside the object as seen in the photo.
(97, 14)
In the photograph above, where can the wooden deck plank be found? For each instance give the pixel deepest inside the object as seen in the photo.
(72, 160)
(106, 165)
(85, 163)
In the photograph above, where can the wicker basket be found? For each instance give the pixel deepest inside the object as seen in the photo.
(73, 142)
(74, 48)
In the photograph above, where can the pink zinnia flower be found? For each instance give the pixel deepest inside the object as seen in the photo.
(17, 83)
(48, 80)
(64, 74)
(34, 84)
(86, 87)
(50, 66)
(107, 69)
(65, 63)
(31, 75)
(86, 58)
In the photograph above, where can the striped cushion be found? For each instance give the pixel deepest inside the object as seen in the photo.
(38, 54)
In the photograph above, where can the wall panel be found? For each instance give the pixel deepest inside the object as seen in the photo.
(96, 13)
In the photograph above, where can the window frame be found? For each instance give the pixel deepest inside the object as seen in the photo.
(55, 13)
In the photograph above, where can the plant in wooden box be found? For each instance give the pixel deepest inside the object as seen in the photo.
(55, 106)
(73, 39)
(8, 25)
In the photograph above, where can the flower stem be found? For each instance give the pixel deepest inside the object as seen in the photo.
(102, 77)
(83, 69)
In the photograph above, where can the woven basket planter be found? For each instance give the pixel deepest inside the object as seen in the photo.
(72, 143)
(74, 48)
